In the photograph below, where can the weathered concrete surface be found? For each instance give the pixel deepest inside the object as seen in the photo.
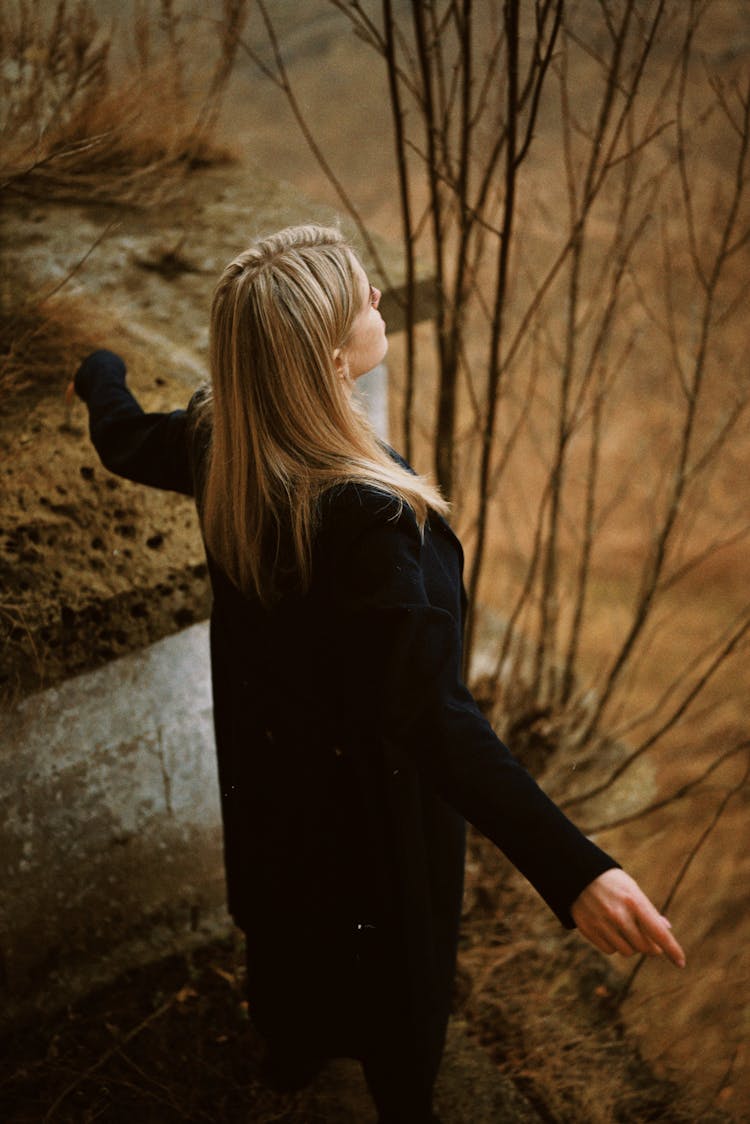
(110, 839)
(372, 390)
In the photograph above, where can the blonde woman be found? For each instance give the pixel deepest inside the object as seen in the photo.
(350, 753)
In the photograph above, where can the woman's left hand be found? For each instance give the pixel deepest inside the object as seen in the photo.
(615, 915)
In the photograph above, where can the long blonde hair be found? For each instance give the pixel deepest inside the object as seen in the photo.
(284, 428)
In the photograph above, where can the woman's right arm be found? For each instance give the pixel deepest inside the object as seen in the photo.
(149, 448)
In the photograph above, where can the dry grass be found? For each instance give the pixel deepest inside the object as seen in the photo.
(71, 131)
(38, 336)
(543, 1004)
(172, 1041)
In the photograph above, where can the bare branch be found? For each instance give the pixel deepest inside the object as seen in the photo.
(677, 714)
(397, 115)
(692, 855)
(673, 797)
(511, 15)
(282, 80)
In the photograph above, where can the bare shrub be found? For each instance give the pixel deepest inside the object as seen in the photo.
(71, 131)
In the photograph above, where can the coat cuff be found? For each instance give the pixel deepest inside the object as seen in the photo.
(100, 364)
(574, 882)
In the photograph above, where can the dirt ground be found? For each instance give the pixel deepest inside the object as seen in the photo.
(91, 567)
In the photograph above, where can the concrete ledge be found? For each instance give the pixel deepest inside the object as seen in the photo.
(110, 830)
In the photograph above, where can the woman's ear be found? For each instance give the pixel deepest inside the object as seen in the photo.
(340, 363)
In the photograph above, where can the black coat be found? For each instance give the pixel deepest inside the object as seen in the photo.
(349, 754)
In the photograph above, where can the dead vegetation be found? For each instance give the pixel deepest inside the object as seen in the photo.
(545, 1007)
(38, 335)
(573, 285)
(173, 1042)
(77, 127)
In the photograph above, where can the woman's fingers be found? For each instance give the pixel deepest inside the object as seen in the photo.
(605, 936)
(655, 930)
(631, 924)
(638, 940)
(599, 941)
(659, 932)
(615, 915)
(620, 940)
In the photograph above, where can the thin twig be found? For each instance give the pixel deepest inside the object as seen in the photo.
(105, 1057)
(282, 80)
(691, 856)
(677, 714)
(673, 797)
(38, 301)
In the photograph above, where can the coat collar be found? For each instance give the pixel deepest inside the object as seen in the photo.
(436, 520)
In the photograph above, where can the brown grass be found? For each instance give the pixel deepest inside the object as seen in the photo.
(71, 130)
(35, 344)
(172, 1041)
(543, 1004)
(38, 336)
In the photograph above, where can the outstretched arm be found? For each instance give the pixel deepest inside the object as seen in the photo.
(615, 915)
(411, 663)
(408, 657)
(147, 448)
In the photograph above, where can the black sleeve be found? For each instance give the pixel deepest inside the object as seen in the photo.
(409, 661)
(147, 448)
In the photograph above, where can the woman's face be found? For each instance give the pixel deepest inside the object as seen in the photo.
(367, 342)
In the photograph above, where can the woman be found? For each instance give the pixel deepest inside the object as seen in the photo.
(350, 753)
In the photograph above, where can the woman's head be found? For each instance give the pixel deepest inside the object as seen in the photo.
(294, 321)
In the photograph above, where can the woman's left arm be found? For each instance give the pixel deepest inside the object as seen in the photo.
(148, 448)
(403, 652)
